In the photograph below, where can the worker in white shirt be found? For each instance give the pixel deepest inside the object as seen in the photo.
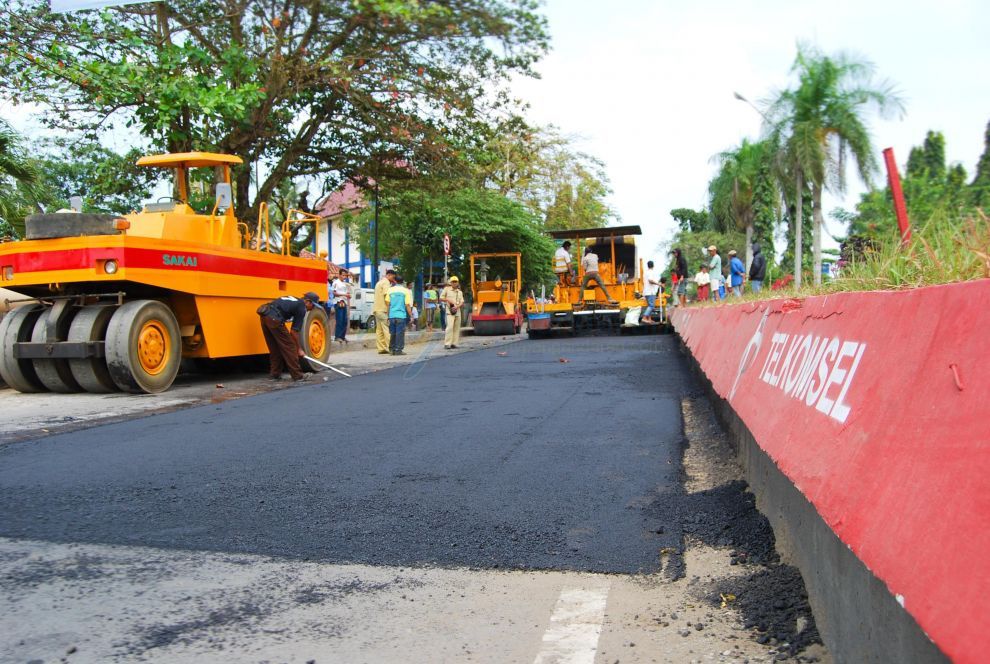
(562, 264)
(341, 292)
(651, 287)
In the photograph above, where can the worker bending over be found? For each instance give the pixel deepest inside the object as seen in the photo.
(285, 349)
(453, 299)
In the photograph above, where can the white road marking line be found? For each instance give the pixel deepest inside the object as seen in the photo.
(575, 625)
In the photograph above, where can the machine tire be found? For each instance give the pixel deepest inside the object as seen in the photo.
(144, 349)
(54, 374)
(18, 325)
(371, 322)
(315, 337)
(90, 324)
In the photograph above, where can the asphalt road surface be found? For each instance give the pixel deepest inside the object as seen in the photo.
(545, 457)
(564, 500)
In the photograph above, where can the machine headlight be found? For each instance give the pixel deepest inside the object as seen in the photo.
(110, 267)
(8, 272)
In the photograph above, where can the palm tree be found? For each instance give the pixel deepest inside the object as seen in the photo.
(819, 125)
(18, 179)
(733, 190)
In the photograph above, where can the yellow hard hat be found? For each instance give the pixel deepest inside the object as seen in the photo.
(454, 280)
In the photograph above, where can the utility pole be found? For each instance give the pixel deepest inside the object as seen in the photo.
(374, 270)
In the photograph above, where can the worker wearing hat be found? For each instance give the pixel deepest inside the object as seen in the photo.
(715, 271)
(285, 349)
(453, 299)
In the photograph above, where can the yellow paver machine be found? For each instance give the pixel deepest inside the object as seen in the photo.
(116, 301)
(577, 303)
(496, 285)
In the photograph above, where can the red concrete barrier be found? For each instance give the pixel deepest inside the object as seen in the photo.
(877, 407)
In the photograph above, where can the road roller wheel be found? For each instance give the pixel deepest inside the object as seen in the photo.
(18, 325)
(143, 346)
(315, 337)
(54, 374)
(90, 324)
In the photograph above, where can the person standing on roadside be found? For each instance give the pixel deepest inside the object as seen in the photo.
(380, 311)
(651, 287)
(715, 271)
(757, 269)
(704, 281)
(399, 313)
(680, 268)
(737, 272)
(285, 348)
(431, 299)
(452, 299)
(341, 292)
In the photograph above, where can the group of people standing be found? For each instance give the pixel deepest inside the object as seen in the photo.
(394, 303)
(713, 283)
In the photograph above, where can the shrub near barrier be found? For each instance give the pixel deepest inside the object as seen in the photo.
(875, 406)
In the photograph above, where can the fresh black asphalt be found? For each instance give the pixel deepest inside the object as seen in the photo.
(547, 457)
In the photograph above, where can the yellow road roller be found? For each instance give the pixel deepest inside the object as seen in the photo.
(496, 284)
(114, 302)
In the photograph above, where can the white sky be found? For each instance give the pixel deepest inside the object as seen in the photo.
(649, 86)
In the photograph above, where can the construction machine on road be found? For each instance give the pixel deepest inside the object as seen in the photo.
(496, 304)
(572, 309)
(114, 302)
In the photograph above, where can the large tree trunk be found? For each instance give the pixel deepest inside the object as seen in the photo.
(749, 246)
(816, 236)
(798, 198)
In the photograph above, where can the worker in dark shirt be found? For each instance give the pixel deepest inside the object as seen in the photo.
(285, 349)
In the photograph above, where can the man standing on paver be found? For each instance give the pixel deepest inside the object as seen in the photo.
(651, 287)
(399, 312)
(737, 271)
(452, 299)
(381, 312)
(715, 271)
(562, 264)
(285, 349)
(590, 265)
(757, 269)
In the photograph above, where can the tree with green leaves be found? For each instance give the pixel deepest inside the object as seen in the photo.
(18, 183)
(820, 124)
(744, 172)
(691, 221)
(414, 217)
(980, 186)
(541, 168)
(106, 180)
(311, 89)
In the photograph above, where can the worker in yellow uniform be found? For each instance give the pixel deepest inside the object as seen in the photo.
(381, 311)
(453, 299)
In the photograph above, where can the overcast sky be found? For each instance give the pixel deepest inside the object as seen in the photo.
(649, 85)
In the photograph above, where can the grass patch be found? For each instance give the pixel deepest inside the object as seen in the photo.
(943, 250)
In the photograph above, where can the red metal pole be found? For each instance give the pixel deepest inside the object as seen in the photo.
(900, 209)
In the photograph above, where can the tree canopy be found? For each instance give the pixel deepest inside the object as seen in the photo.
(308, 89)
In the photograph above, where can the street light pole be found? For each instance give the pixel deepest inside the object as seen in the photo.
(798, 199)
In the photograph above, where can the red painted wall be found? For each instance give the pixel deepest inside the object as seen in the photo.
(877, 406)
